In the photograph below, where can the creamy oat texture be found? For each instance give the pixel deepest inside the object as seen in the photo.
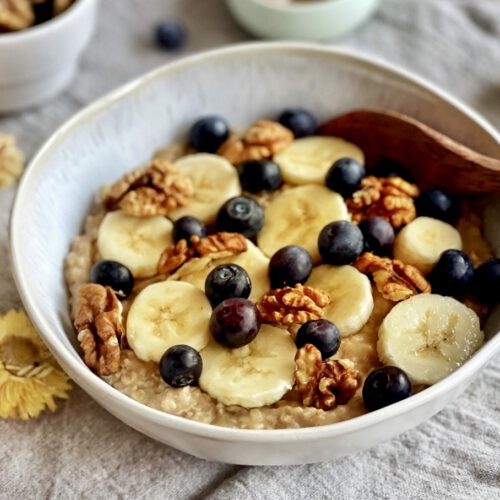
(141, 380)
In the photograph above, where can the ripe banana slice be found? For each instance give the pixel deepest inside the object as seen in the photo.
(167, 314)
(350, 293)
(296, 217)
(255, 263)
(307, 160)
(136, 242)
(423, 240)
(214, 179)
(429, 336)
(251, 376)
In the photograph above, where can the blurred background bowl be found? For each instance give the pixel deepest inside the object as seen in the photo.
(317, 20)
(39, 62)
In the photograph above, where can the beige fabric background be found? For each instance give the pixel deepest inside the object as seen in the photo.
(83, 452)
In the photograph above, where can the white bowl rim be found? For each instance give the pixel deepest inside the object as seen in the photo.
(45, 28)
(84, 377)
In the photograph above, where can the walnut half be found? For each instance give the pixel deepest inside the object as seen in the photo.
(324, 384)
(394, 280)
(98, 321)
(262, 140)
(156, 189)
(297, 305)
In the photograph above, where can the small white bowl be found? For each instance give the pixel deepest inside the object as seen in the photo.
(301, 21)
(121, 130)
(39, 62)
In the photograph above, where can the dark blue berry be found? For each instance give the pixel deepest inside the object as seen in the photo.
(227, 281)
(115, 275)
(188, 226)
(171, 35)
(322, 334)
(378, 235)
(486, 282)
(290, 265)
(340, 242)
(299, 121)
(384, 387)
(345, 176)
(391, 168)
(235, 323)
(259, 175)
(181, 365)
(208, 133)
(240, 215)
(438, 205)
(452, 275)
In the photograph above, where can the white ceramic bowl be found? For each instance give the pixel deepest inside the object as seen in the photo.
(301, 21)
(39, 62)
(121, 130)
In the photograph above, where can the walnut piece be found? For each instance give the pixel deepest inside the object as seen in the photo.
(11, 160)
(297, 305)
(216, 245)
(98, 322)
(390, 198)
(324, 384)
(155, 189)
(16, 15)
(395, 280)
(262, 140)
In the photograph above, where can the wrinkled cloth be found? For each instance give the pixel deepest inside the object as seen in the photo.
(84, 452)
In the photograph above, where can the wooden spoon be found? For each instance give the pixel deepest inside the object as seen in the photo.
(433, 159)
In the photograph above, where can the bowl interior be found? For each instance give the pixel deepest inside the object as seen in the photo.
(122, 130)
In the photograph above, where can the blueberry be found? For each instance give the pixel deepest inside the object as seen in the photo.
(340, 242)
(300, 122)
(240, 215)
(453, 273)
(486, 282)
(115, 275)
(208, 133)
(385, 386)
(181, 365)
(188, 226)
(259, 175)
(439, 205)
(391, 168)
(378, 235)
(290, 265)
(227, 281)
(170, 35)
(345, 176)
(322, 334)
(235, 323)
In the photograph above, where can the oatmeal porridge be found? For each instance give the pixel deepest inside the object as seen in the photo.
(268, 279)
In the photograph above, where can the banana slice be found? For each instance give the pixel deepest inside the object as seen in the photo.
(429, 336)
(307, 160)
(351, 296)
(167, 314)
(136, 242)
(254, 375)
(214, 179)
(423, 240)
(255, 263)
(296, 217)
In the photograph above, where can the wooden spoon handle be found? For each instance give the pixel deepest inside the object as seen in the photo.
(432, 158)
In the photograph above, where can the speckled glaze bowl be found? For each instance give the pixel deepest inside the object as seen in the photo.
(122, 129)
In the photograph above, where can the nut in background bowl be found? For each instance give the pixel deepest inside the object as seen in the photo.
(316, 20)
(39, 62)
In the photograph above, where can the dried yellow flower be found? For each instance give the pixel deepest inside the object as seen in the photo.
(30, 378)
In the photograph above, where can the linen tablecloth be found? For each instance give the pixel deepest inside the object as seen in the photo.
(83, 452)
